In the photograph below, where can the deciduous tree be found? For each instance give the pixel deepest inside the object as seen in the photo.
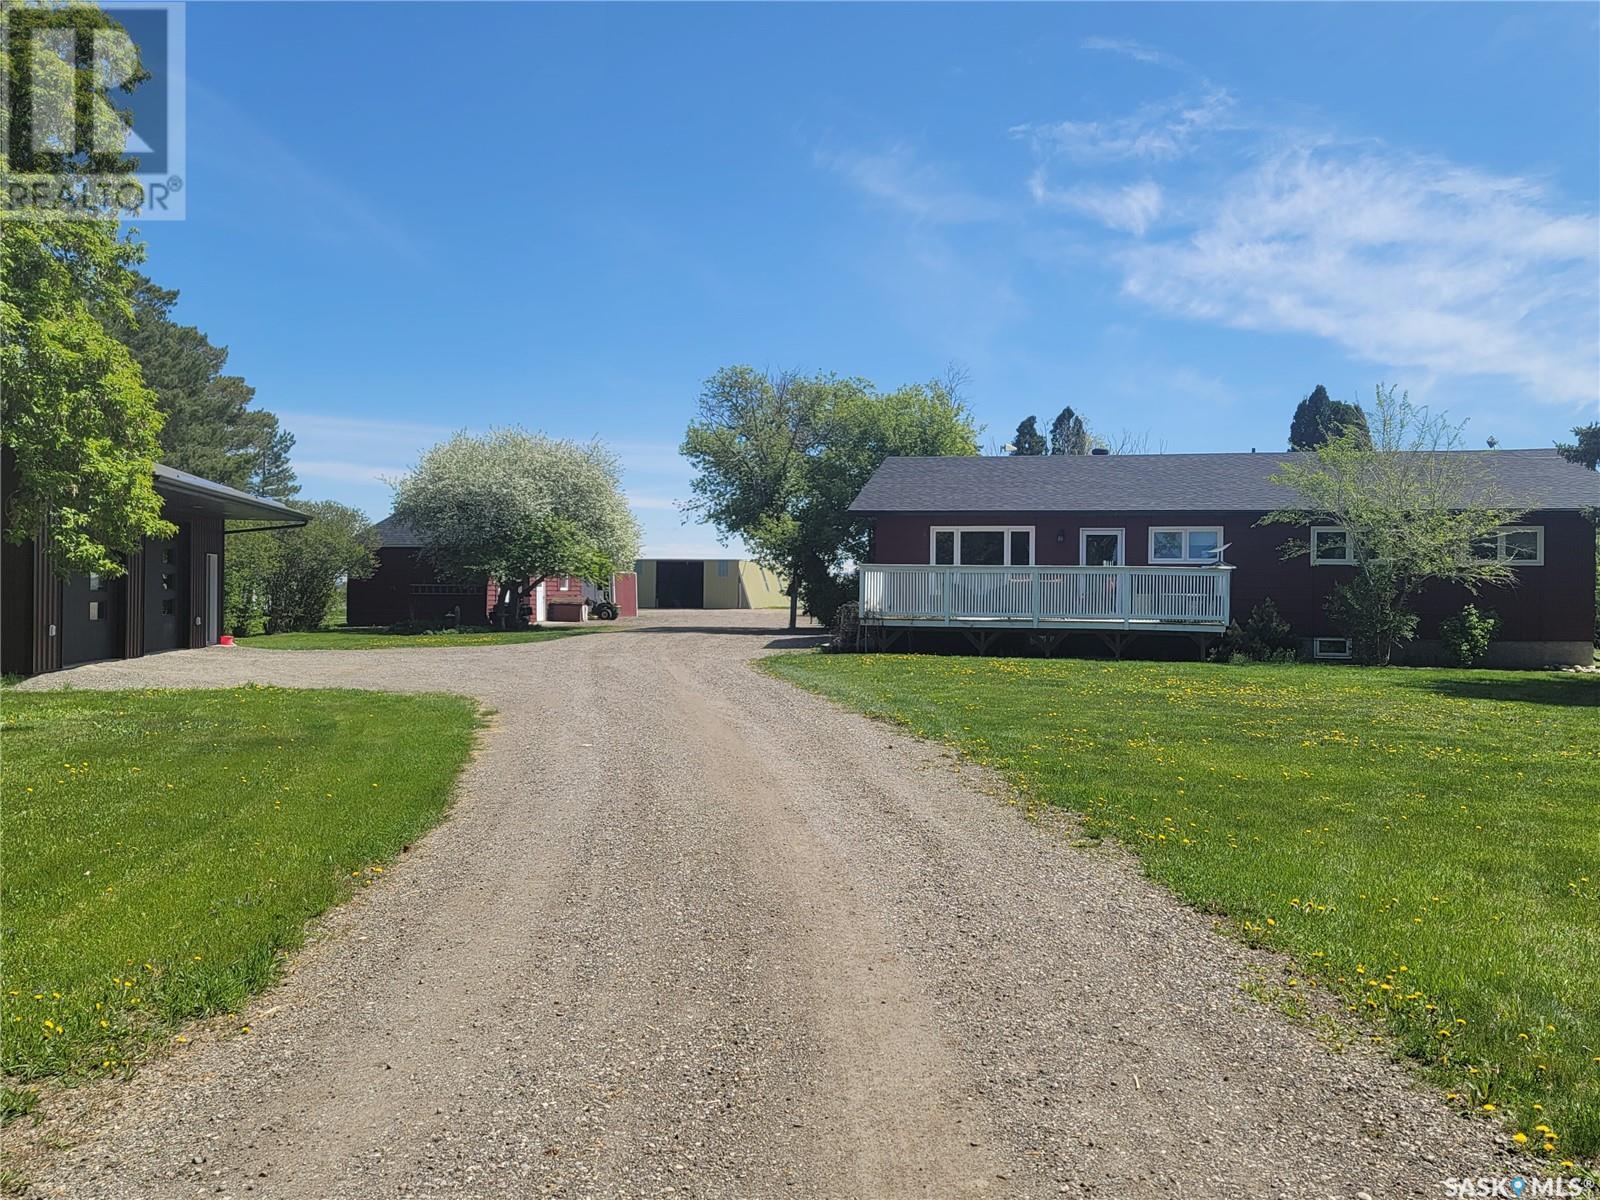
(80, 424)
(483, 506)
(780, 457)
(1415, 512)
(286, 579)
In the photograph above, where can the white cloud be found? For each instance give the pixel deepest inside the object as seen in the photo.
(656, 503)
(897, 178)
(1156, 132)
(1131, 209)
(1403, 261)
(1137, 51)
(345, 472)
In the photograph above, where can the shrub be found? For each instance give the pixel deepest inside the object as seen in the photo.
(1466, 636)
(1263, 637)
(1371, 611)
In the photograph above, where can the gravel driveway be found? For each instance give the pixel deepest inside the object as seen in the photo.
(690, 931)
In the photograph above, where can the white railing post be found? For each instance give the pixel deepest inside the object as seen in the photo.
(1033, 595)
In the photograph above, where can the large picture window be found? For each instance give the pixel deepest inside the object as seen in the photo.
(1186, 544)
(981, 546)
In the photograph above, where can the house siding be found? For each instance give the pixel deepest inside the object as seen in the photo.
(1551, 605)
(387, 596)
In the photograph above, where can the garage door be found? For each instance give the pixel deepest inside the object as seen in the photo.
(681, 584)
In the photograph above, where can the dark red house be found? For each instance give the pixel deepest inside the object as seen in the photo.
(1114, 545)
(406, 587)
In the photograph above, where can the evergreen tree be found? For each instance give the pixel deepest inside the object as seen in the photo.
(1319, 419)
(1029, 440)
(1068, 434)
(210, 428)
(1586, 450)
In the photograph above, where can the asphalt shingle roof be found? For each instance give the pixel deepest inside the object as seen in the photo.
(392, 533)
(1533, 479)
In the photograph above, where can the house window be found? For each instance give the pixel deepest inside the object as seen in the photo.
(1100, 547)
(94, 582)
(981, 546)
(1330, 647)
(169, 606)
(1521, 544)
(722, 567)
(169, 581)
(1186, 544)
(96, 613)
(1331, 546)
(168, 554)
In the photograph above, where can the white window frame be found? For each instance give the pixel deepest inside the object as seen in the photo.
(1122, 545)
(1186, 559)
(1318, 652)
(1004, 530)
(1500, 545)
(1349, 547)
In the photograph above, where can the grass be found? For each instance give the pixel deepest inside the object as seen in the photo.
(355, 638)
(164, 849)
(1425, 844)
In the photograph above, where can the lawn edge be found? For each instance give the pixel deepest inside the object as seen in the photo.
(1259, 991)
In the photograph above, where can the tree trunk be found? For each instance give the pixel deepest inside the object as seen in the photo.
(794, 601)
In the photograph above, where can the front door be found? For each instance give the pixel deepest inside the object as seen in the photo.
(1101, 547)
(91, 617)
(166, 594)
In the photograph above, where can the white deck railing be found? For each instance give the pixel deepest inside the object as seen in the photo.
(1105, 597)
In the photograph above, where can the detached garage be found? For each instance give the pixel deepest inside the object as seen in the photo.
(708, 583)
(169, 597)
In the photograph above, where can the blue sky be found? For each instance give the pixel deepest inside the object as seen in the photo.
(408, 219)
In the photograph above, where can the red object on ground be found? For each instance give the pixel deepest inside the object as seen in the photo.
(225, 640)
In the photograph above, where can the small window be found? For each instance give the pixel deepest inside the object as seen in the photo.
(169, 606)
(169, 554)
(96, 613)
(1022, 547)
(1186, 545)
(169, 581)
(94, 582)
(1330, 647)
(944, 548)
(1330, 546)
(722, 567)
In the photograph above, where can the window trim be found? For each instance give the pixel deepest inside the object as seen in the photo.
(1005, 532)
(1185, 559)
(1317, 651)
(1122, 544)
(1500, 545)
(1349, 560)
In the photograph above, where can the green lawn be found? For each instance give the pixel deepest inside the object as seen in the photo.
(1424, 843)
(380, 639)
(163, 849)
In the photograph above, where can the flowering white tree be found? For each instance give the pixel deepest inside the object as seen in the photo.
(518, 507)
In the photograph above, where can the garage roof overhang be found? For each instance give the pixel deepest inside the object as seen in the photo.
(186, 495)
